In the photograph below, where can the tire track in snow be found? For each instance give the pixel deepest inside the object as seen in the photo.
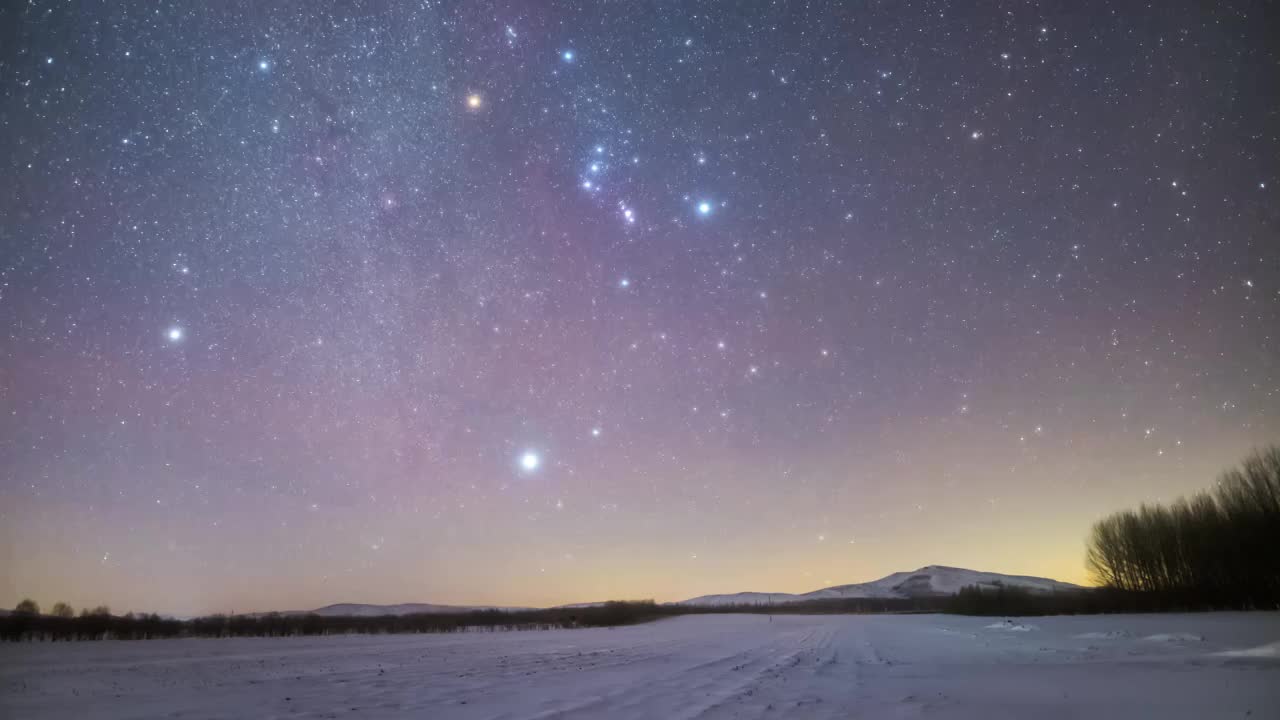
(690, 691)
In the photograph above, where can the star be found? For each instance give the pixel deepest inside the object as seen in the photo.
(595, 432)
(624, 283)
(264, 65)
(704, 208)
(567, 56)
(475, 101)
(174, 334)
(530, 461)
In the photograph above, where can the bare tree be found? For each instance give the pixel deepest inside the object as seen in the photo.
(27, 607)
(1216, 549)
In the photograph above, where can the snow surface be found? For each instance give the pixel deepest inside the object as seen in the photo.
(928, 581)
(1011, 626)
(1270, 650)
(703, 666)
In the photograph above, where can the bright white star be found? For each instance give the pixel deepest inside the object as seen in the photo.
(704, 208)
(567, 55)
(530, 461)
(174, 334)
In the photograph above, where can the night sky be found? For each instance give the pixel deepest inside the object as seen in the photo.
(533, 303)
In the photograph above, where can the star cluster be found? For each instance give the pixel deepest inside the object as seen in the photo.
(529, 303)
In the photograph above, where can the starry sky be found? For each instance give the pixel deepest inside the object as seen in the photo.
(533, 303)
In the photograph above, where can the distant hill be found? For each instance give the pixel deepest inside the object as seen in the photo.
(928, 581)
(363, 610)
(360, 610)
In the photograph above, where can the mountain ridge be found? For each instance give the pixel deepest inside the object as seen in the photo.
(928, 581)
(372, 610)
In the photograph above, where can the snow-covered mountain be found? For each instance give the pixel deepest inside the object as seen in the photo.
(742, 598)
(928, 581)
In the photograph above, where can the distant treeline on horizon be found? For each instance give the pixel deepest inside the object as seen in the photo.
(1213, 551)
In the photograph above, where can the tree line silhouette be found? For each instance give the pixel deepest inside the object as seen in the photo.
(26, 623)
(1218, 549)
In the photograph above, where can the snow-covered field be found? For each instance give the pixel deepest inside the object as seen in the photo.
(1218, 665)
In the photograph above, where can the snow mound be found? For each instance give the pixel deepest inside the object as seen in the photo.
(1011, 626)
(1109, 635)
(1175, 637)
(1270, 650)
